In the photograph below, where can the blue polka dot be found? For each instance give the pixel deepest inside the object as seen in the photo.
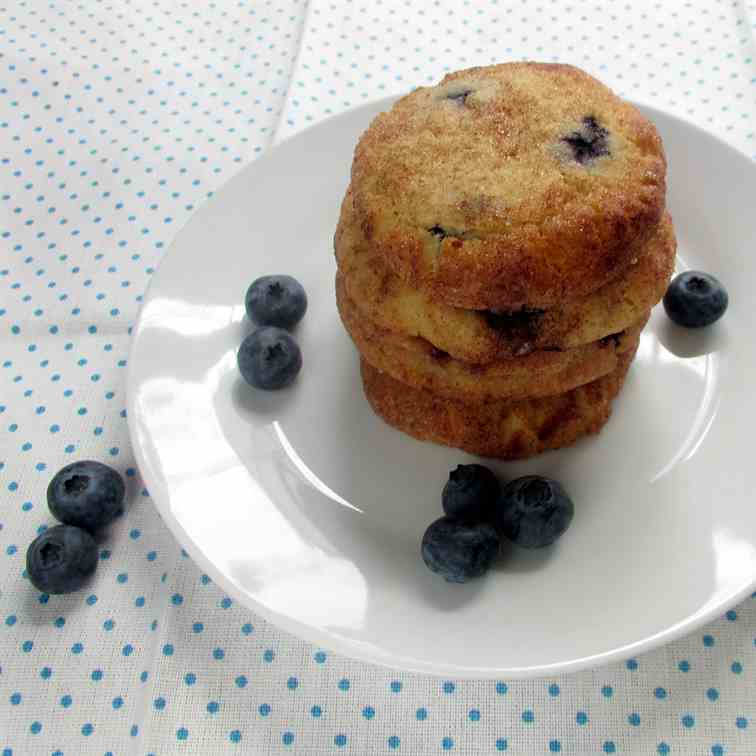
(662, 749)
(717, 750)
(736, 668)
(234, 736)
(447, 744)
(182, 733)
(159, 703)
(396, 686)
(241, 681)
(35, 728)
(528, 716)
(344, 684)
(292, 683)
(316, 711)
(15, 699)
(581, 718)
(474, 715)
(264, 710)
(213, 707)
(553, 689)
(448, 687)
(660, 693)
(421, 714)
(688, 720)
(287, 738)
(190, 678)
(555, 746)
(741, 723)
(609, 747)
(501, 688)
(218, 654)
(117, 702)
(501, 744)
(631, 664)
(320, 657)
(177, 599)
(712, 694)
(97, 675)
(708, 641)
(368, 712)
(247, 629)
(634, 719)
(87, 729)
(45, 673)
(731, 615)
(684, 666)
(269, 655)
(607, 691)
(394, 742)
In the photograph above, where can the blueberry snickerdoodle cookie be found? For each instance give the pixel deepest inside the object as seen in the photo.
(521, 184)
(417, 363)
(505, 429)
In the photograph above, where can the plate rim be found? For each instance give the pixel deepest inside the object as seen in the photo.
(333, 641)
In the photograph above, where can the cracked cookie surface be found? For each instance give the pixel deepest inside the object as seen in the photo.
(482, 336)
(521, 184)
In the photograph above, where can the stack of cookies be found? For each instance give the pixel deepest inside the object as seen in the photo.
(500, 246)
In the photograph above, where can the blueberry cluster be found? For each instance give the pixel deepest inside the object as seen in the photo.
(531, 512)
(85, 496)
(269, 358)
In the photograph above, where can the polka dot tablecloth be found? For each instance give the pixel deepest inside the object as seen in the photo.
(117, 119)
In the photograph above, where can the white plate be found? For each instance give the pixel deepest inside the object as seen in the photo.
(309, 509)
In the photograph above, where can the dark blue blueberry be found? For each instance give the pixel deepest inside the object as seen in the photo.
(470, 494)
(86, 494)
(276, 301)
(269, 358)
(589, 142)
(61, 559)
(459, 96)
(458, 551)
(695, 299)
(534, 511)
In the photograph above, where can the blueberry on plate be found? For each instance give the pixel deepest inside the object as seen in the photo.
(86, 494)
(459, 551)
(61, 559)
(695, 299)
(470, 493)
(269, 358)
(276, 301)
(533, 511)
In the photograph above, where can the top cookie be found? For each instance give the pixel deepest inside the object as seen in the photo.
(521, 184)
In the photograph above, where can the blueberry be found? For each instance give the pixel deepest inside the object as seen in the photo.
(589, 142)
(534, 511)
(269, 358)
(86, 494)
(695, 299)
(459, 96)
(61, 559)
(470, 493)
(276, 301)
(458, 551)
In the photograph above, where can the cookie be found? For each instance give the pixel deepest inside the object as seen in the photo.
(418, 363)
(485, 336)
(504, 429)
(521, 184)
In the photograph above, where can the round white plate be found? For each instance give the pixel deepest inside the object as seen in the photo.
(307, 508)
